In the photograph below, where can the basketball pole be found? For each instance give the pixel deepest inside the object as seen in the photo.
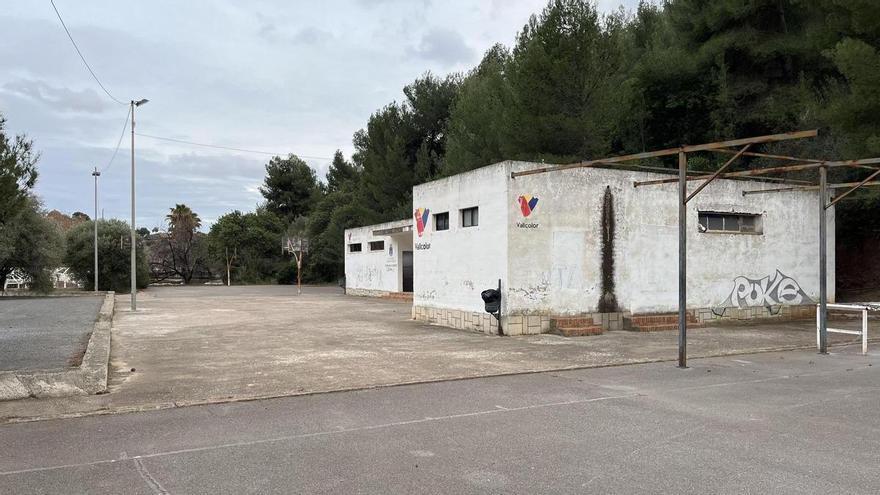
(298, 257)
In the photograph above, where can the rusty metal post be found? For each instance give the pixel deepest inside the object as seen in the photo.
(682, 259)
(823, 264)
(500, 303)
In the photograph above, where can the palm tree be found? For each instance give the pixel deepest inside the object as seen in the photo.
(182, 219)
(177, 255)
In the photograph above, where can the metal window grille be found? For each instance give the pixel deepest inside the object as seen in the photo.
(743, 223)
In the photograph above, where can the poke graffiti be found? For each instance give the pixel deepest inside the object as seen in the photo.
(767, 291)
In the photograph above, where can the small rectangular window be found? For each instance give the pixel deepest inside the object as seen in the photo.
(730, 223)
(354, 248)
(377, 245)
(470, 217)
(441, 221)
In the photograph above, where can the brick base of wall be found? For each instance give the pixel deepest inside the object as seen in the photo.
(384, 294)
(783, 312)
(349, 291)
(511, 324)
(537, 324)
(456, 318)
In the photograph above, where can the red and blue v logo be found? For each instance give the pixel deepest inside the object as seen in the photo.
(421, 216)
(527, 204)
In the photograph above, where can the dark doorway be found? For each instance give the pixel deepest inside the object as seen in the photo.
(407, 271)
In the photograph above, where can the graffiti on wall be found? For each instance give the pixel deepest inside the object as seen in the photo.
(768, 291)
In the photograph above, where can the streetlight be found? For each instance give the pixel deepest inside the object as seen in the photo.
(96, 174)
(133, 238)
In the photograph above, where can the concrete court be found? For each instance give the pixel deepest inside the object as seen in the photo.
(783, 423)
(45, 333)
(192, 345)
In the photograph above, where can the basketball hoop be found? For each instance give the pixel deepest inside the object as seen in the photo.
(294, 245)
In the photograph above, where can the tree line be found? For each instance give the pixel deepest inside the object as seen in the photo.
(576, 84)
(580, 84)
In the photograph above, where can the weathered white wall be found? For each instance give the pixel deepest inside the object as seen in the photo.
(453, 266)
(376, 271)
(555, 262)
(550, 261)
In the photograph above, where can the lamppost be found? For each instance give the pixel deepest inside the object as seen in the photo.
(133, 233)
(96, 174)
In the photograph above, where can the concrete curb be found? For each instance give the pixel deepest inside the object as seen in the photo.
(159, 406)
(90, 377)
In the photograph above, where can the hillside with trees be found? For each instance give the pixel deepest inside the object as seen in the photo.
(576, 84)
(580, 84)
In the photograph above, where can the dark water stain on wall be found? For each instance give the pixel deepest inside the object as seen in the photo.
(607, 299)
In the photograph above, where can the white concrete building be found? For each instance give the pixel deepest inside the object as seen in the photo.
(379, 259)
(587, 243)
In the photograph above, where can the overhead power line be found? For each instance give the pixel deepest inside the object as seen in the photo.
(82, 57)
(229, 148)
(118, 143)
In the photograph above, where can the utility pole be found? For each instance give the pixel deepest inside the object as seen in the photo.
(96, 174)
(682, 259)
(133, 232)
(823, 261)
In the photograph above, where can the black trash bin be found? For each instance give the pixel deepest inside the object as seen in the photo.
(492, 300)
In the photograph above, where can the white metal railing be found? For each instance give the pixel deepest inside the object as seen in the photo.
(61, 279)
(848, 307)
(17, 278)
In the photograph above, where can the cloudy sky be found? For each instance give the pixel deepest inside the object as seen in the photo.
(276, 76)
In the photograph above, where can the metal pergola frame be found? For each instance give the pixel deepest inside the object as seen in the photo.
(744, 146)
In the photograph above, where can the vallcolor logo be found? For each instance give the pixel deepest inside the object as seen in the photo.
(421, 216)
(527, 204)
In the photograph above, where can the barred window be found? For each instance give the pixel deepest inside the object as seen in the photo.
(730, 223)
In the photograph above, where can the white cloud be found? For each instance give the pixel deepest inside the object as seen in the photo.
(443, 45)
(65, 99)
(271, 75)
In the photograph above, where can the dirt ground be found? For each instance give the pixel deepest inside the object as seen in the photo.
(193, 345)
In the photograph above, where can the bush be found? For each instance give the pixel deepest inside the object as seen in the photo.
(31, 243)
(114, 256)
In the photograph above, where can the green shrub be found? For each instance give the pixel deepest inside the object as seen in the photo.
(114, 256)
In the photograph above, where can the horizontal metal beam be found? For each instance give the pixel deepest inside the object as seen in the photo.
(784, 180)
(847, 193)
(771, 170)
(672, 151)
(808, 188)
(717, 173)
(768, 155)
(789, 158)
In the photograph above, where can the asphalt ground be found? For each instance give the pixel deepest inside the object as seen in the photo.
(787, 422)
(45, 333)
(196, 345)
